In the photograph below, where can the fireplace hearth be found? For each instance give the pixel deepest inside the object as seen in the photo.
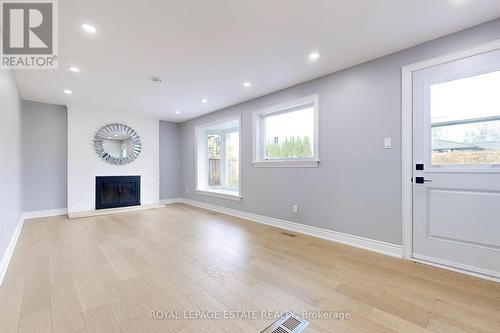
(117, 191)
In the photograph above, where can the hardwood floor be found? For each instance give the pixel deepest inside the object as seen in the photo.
(107, 273)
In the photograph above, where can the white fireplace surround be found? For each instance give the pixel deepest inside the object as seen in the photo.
(84, 164)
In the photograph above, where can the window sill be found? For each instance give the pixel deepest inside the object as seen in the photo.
(223, 194)
(286, 164)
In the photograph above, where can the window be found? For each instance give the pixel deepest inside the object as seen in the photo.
(287, 134)
(465, 121)
(218, 159)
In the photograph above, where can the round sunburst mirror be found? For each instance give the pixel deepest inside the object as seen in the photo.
(117, 144)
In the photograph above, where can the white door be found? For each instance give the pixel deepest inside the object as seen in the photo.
(456, 156)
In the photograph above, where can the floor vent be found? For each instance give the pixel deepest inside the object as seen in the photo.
(289, 323)
(280, 330)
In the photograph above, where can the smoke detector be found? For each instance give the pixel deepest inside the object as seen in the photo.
(156, 80)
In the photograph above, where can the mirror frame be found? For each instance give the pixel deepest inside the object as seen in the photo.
(109, 130)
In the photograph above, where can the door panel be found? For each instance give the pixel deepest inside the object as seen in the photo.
(456, 135)
(449, 221)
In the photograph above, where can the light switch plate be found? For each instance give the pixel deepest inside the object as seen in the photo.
(388, 143)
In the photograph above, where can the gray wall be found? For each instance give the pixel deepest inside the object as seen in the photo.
(357, 187)
(10, 159)
(45, 156)
(170, 153)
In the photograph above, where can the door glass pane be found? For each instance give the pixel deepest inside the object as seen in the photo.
(465, 121)
(232, 163)
(290, 134)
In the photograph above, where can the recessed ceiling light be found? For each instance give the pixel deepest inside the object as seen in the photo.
(204, 101)
(247, 84)
(314, 56)
(67, 92)
(177, 112)
(116, 134)
(74, 69)
(89, 28)
(109, 137)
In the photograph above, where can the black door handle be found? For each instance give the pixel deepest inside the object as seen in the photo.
(421, 180)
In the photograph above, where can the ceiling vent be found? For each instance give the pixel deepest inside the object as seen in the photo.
(289, 323)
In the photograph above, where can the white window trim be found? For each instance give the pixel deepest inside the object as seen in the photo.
(299, 163)
(289, 162)
(217, 192)
(220, 194)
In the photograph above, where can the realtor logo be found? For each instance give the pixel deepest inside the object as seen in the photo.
(29, 34)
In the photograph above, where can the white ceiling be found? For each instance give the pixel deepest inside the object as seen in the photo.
(208, 48)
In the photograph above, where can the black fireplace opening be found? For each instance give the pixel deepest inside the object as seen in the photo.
(117, 191)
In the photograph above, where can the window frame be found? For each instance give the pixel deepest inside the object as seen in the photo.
(426, 93)
(259, 133)
(201, 163)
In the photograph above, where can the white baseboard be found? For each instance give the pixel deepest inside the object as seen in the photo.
(457, 267)
(4, 263)
(76, 215)
(44, 213)
(170, 201)
(356, 241)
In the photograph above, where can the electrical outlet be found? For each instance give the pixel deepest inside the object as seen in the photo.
(295, 209)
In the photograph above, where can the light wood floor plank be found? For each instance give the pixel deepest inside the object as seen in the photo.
(66, 311)
(111, 273)
(36, 322)
(101, 320)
